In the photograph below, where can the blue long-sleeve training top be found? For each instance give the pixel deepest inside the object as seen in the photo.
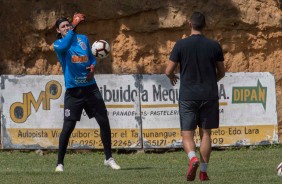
(74, 54)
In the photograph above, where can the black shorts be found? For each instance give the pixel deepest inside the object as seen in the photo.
(88, 98)
(201, 113)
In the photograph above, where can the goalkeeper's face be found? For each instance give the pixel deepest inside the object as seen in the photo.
(63, 28)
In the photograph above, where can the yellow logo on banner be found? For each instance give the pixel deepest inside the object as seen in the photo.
(19, 112)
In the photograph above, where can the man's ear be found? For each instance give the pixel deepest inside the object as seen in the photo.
(189, 23)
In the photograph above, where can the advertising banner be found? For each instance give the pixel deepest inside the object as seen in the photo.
(247, 111)
(33, 107)
(160, 120)
(142, 109)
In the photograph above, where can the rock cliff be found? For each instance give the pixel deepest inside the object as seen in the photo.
(142, 34)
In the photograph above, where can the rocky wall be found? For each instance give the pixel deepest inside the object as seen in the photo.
(142, 34)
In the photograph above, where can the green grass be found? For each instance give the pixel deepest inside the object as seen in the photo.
(242, 166)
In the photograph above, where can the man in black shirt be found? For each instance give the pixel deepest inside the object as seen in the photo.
(201, 66)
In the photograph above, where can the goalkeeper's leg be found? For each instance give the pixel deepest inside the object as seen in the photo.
(68, 128)
(105, 132)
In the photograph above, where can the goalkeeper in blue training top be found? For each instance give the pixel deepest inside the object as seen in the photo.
(78, 63)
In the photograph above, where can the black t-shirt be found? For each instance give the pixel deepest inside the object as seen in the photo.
(197, 56)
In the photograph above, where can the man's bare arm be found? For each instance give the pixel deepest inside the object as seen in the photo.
(220, 72)
(170, 72)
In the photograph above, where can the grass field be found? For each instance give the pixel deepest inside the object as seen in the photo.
(234, 166)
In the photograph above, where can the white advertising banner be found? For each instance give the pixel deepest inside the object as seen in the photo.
(160, 120)
(247, 107)
(32, 113)
(147, 105)
(248, 113)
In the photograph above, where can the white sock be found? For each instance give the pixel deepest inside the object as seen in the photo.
(204, 167)
(191, 154)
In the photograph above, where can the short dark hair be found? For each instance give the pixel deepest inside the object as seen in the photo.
(198, 21)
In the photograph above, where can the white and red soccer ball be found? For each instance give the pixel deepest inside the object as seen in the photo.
(279, 169)
(100, 49)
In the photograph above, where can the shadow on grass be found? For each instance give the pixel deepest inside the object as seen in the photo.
(30, 173)
(136, 168)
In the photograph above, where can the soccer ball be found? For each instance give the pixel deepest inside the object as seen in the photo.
(279, 169)
(100, 49)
